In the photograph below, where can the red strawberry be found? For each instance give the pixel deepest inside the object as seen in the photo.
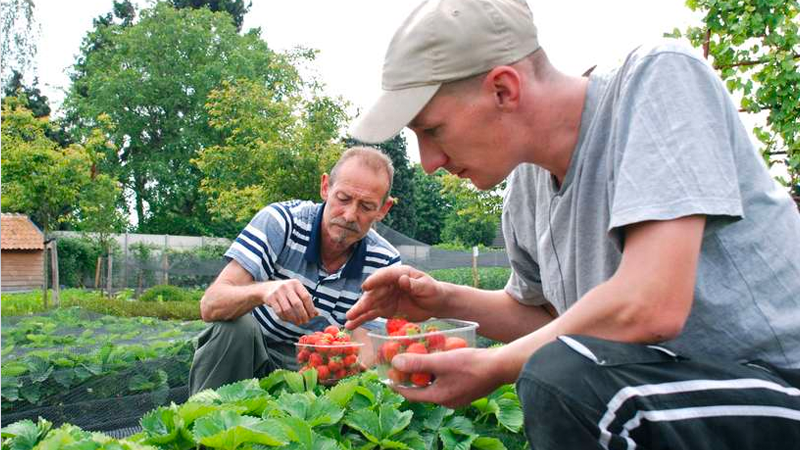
(302, 355)
(350, 360)
(397, 376)
(314, 360)
(333, 330)
(417, 347)
(453, 343)
(389, 350)
(421, 379)
(341, 373)
(394, 324)
(323, 372)
(335, 363)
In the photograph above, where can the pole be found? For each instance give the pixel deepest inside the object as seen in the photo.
(54, 265)
(97, 273)
(475, 279)
(44, 277)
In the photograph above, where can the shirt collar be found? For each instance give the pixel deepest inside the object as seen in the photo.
(354, 266)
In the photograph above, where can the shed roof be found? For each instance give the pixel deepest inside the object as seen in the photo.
(17, 232)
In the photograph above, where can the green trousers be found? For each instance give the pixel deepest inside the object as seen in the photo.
(236, 350)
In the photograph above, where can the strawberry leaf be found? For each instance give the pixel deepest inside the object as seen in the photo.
(227, 430)
(487, 443)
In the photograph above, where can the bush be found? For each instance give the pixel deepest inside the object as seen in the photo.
(15, 304)
(164, 293)
(77, 260)
(489, 278)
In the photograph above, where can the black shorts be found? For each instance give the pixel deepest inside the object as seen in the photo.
(581, 392)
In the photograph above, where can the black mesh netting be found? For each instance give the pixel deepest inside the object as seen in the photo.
(101, 373)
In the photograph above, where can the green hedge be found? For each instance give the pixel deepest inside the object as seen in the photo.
(168, 293)
(490, 278)
(31, 303)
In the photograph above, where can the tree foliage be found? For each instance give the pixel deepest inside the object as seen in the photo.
(755, 46)
(475, 214)
(430, 208)
(235, 8)
(20, 32)
(153, 78)
(275, 146)
(53, 185)
(37, 102)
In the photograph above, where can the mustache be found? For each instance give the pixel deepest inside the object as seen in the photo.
(351, 226)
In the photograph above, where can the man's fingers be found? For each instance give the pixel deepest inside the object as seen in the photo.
(298, 308)
(384, 276)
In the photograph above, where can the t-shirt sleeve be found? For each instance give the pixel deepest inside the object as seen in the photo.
(525, 283)
(672, 152)
(257, 247)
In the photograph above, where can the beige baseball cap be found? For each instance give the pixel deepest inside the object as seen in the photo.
(441, 41)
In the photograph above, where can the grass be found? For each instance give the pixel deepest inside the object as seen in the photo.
(17, 304)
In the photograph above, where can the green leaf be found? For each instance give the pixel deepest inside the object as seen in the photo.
(14, 369)
(227, 430)
(31, 393)
(208, 396)
(393, 421)
(453, 439)
(275, 378)
(295, 381)
(366, 422)
(25, 434)
(342, 392)
(487, 443)
(246, 393)
(324, 412)
(510, 414)
(38, 369)
(162, 425)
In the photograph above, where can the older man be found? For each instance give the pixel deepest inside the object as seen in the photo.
(654, 299)
(297, 267)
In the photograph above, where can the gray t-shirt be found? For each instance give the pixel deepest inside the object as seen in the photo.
(661, 139)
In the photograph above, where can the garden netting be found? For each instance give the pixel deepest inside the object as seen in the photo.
(101, 373)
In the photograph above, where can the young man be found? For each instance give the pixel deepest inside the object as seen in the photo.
(652, 254)
(296, 268)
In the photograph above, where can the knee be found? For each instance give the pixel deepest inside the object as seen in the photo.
(558, 369)
(243, 328)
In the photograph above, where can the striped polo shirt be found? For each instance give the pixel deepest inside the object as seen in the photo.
(283, 242)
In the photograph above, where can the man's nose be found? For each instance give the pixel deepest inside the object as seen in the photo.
(350, 212)
(430, 156)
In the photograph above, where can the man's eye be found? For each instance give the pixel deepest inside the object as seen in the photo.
(368, 208)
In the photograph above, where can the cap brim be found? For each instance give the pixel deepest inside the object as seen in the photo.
(390, 113)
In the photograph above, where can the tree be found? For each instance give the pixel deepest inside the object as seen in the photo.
(20, 32)
(475, 214)
(39, 178)
(430, 206)
(37, 102)
(235, 8)
(755, 47)
(402, 217)
(270, 152)
(152, 78)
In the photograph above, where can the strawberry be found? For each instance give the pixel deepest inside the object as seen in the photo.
(333, 330)
(397, 376)
(323, 372)
(315, 360)
(421, 379)
(453, 343)
(434, 341)
(350, 360)
(417, 347)
(302, 355)
(335, 363)
(389, 350)
(394, 324)
(341, 373)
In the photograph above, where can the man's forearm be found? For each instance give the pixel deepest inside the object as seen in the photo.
(223, 301)
(500, 316)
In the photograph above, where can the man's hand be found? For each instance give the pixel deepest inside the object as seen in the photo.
(461, 376)
(397, 290)
(290, 300)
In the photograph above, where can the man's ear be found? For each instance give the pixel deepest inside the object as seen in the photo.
(505, 83)
(386, 207)
(323, 186)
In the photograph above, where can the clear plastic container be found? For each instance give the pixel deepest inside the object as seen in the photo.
(433, 335)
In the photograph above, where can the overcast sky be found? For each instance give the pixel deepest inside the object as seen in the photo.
(352, 36)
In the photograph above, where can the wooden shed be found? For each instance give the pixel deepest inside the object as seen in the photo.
(21, 254)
